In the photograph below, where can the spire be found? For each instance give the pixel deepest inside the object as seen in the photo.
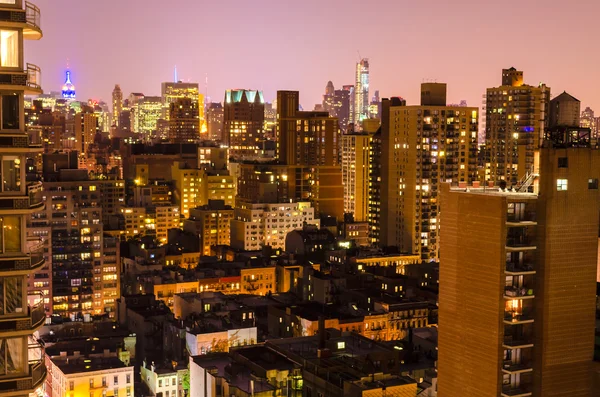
(68, 89)
(175, 74)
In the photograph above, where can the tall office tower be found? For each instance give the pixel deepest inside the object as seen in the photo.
(85, 126)
(375, 106)
(308, 143)
(244, 116)
(149, 111)
(214, 119)
(518, 282)
(516, 117)
(184, 122)
(337, 103)
(361, 93)
(355, 174)
(22, 369)
(587, 120)
(172, 91)
(117, 104)
(564, 111)
(420, 147)
(329, 98)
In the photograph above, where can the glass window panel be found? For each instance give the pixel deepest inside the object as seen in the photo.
(14, 355)
(13, 294)
(10, 112)
(11, 174)
(9, 48)
(11, 230)
(8, 1)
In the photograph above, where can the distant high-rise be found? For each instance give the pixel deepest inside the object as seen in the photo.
(172, 91)
(516, 118)
(214, 120)
(337, 103)
(361, 92)
(518, 283)
(149, 111)
(588, 120)
(184, 122)
(308, 143)
(85, 126)
(564, 111)
(355, 149)
(117, 104)
(243, 121)
(418, 148)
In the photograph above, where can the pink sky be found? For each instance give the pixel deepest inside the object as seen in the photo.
(300, 45)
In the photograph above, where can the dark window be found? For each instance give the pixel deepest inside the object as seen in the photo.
(10, 112)
(563, 162)
(593, 184)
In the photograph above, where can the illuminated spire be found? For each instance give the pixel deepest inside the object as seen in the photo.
(175, 73)
(68, 89)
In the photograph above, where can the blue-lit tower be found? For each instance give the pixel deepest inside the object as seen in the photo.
(68, 89)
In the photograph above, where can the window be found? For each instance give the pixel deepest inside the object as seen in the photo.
(563, 162)
(341, 345)
(11, 295)
(92, 383)
(10, 111)
(160, 383)
(128, 378)
(128, 390)
(11, 174)
(104, 381)
(71, 385)
(10, 234)
(593, 184)
(9, 48)
(11, 356)
(116, 392)
(116, 380)
(8, 1)
(561, 185)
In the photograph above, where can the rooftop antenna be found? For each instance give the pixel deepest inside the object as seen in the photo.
(175, 74)
(359, 57)
(205, 87)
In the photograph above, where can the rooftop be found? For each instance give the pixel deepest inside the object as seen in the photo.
(74, 366)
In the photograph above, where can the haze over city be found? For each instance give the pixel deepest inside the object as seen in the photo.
(300, 45)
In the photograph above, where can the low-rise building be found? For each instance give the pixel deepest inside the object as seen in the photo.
(165, 381)
(211, 223)
(258, 225)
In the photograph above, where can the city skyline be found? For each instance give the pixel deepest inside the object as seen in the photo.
(147, 56)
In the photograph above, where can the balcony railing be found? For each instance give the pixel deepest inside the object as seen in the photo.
(24, 262)
(36, 316)
(34, 77)
(511, 367)
(36, 199)
(519, 267)
(24, 384)
(518, 292)
(511, 391)
(33, 15)
(516, 317)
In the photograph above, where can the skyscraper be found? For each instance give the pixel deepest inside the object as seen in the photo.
(308, 143)
(184, 122)
(516, 117)
(214, 120)
(337, 103)
(517, 284)
(244, 116)
(587, 120)
(117, 104)
(149, 111)
(419, 147)
(361, 92)
(68, 89)
(86, 126)
(355, 149)
(22, 370)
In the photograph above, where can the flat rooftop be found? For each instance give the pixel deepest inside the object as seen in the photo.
(82, 364)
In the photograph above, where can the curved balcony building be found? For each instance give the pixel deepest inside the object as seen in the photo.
(22, 369)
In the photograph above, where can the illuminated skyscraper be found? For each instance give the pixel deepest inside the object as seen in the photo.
(516, 118)
(361, 92)
(68, 89)
(149, 111)
(418, 148)
(244, 116)
(85, 127)
(337, 103)
(588, 120)
(117, 105)
(184, 123)
(307, 142)
(22, 370)
(172, 91)
(214, 119)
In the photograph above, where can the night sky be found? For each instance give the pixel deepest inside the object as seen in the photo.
(300, 45)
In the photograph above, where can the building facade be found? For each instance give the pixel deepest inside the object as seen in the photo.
(243, 121)
(355, 174)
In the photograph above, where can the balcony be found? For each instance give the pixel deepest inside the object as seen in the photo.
(28, 18)
(519, 269)
(19, 264)
(515, 243)
(516, 317)
(25, 325)
(514, 292)
(20, 204)
(513, 391)
(516, 368)
(28, 80)
(27, 384)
